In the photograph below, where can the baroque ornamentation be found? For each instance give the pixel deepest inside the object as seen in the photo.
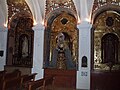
(52, 5)
(101, 30)
(23, 47)
(17, 6)
(99, 3)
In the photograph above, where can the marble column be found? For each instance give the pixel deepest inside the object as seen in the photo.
(38, 50)
(3, 46)
(83, 73)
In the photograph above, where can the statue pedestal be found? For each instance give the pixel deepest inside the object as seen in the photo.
(62, 78)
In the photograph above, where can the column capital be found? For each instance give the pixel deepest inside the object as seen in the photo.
(3, 29)
(38, 27)
(84, 24)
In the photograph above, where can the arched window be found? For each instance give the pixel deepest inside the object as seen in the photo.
(109, 48)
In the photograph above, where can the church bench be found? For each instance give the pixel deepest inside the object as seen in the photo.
(30, 77)
(36, 85)
(13, 74)
(12, 84)
(2, 73)
(27, 79)
(7, 76)
(49, 82)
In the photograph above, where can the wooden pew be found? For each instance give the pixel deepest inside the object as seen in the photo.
(30, 77)
(13, 74)
(12, 84)
(27, 79)
(49, 83)
(6, 76)
(36, 85)
(2, 73)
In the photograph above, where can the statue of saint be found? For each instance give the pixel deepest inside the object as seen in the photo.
(25, 47)
(62, 47)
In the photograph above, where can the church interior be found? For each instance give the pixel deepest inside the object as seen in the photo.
(59, 44)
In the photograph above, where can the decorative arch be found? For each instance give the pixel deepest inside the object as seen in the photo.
(103, 9)
(15, 19)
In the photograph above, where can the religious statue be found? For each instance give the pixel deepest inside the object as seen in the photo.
(62, 51)
(24, 47)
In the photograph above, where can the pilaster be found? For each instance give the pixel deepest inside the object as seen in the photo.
(83, 73)
(38, 50)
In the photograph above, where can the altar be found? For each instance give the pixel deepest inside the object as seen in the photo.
(62, 78)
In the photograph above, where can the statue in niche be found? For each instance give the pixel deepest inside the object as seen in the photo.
(24, 47)
(62, 52)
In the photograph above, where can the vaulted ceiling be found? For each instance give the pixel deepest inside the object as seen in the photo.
(37, 8)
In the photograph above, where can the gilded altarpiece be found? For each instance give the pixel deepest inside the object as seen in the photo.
(107, 25)
(20, 34)
(61, 43)
(20, 42)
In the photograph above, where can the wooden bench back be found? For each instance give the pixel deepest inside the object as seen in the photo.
(12, 84)
(49, 83)
(28, 78)
(13, 74)
(2, 73)
(6, 76)
(38, 84)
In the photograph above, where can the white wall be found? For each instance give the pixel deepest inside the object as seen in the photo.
(3, 47)
(83, 74)
(38, 51)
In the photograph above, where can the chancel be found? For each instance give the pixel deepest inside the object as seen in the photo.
(60, 44)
